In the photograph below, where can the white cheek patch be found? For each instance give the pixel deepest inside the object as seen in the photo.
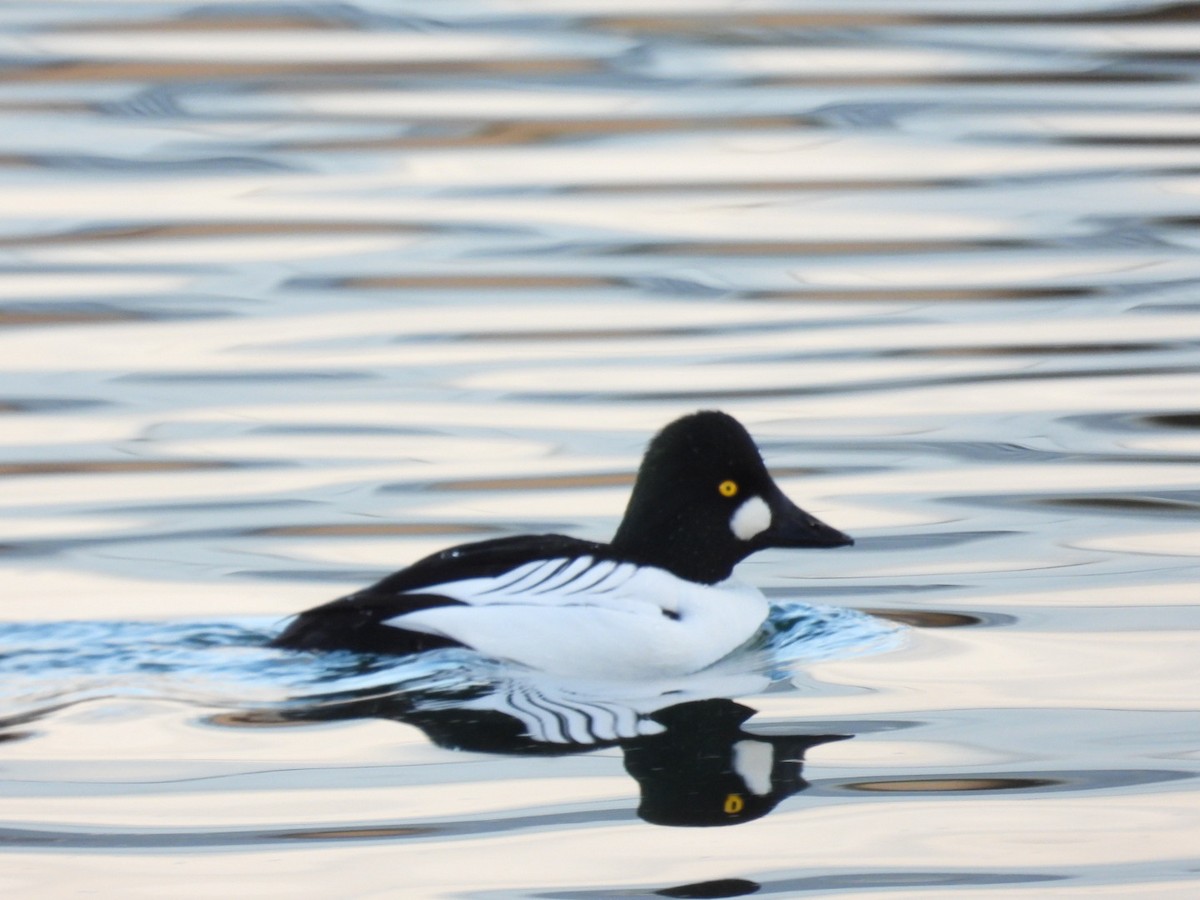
(752, 518)
(754, 760)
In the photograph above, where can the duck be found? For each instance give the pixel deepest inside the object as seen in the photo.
(659, 600)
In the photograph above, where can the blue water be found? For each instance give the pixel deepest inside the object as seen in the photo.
(47, 666)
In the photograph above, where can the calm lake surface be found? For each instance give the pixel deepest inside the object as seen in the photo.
(295, 293)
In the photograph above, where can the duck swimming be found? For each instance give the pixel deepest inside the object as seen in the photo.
(658, 600)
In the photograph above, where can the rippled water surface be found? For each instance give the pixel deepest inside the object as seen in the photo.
(293, 294)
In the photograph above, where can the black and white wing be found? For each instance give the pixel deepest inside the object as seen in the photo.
(357, 621)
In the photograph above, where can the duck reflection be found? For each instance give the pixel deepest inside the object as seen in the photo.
(684, 742)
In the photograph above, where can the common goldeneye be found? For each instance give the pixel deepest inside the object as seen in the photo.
(657, 601)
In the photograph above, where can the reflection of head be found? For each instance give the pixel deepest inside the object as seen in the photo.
(705, 770)
(694, 764)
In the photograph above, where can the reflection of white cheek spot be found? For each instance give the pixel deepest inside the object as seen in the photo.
(754, 760)
(752, 518)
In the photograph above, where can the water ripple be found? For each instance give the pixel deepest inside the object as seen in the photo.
(46, 665)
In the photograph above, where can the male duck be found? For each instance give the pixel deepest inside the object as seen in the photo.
(657, 601)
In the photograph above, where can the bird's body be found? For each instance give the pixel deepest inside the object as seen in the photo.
(658, 600)
(590, 616)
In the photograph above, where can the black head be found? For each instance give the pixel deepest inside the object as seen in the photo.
(704, 501)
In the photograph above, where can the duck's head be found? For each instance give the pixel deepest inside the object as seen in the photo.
(704, 501)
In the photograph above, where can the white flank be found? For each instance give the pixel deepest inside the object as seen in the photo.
(754, 760)
(594, 618)
(752, 518)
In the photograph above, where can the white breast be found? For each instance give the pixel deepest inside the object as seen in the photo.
(595, 618)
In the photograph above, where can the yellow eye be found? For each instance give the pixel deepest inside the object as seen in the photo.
(734, 804)
(728, 488)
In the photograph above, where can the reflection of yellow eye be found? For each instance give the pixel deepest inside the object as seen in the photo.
(734, 804)
(727, 488)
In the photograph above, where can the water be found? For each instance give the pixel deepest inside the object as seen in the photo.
(295, 293)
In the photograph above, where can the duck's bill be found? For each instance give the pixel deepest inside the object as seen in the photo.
(793, 527)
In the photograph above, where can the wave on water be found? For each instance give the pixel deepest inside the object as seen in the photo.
(46, 666)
